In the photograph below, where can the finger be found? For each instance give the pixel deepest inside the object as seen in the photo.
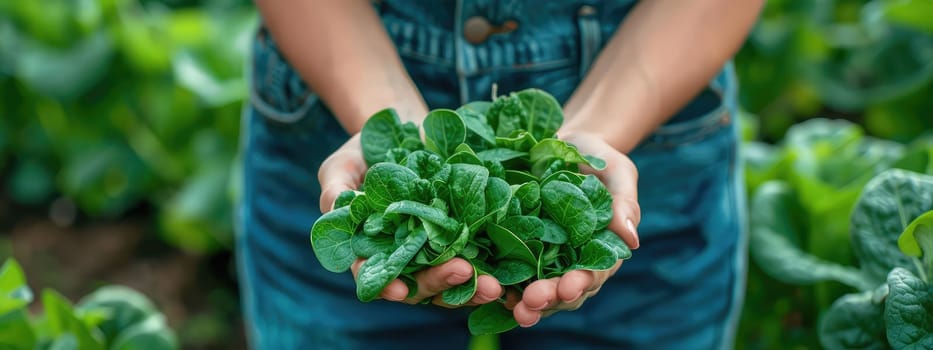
(573, 284)
(487, 290)
(394, 291)
(525, 316)
(343, 170)
(541, 294)
(439, 278)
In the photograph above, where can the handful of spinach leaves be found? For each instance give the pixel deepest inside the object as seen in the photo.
(491, 184)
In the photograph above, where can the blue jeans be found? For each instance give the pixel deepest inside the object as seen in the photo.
(682, 288)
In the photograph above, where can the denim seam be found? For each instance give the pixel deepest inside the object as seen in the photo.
(741, 255)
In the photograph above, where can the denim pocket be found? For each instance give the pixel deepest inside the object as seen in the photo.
(277, 92)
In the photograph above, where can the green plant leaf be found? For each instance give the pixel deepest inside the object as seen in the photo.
(917, 241)
(883, 212)
(14, 292)
(511, 271)
(508, 245)
(568, 206)
(330, 240)
(855, 321)
(544, 113)
(460, 294)
(500, 154)
(151, 333)
(525, 227)
(382, 131)
(444, 131)
(614, 242)
(424, 212)
(386, 183)
(122, 306)
(774, 219)
(498, 195)
(595, 255)
(553, 233)
(908, 311)
(601, 199)
(492, 318)
(468, 192)
(474, 117)
(365, 246)
(61, 320)
(380, 269)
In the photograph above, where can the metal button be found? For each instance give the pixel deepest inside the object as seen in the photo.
(586, 10)
(476, 29)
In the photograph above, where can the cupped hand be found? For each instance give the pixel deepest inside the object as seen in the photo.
(345, 170)
(543, 298)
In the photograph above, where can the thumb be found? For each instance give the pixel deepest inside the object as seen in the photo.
(342, 171)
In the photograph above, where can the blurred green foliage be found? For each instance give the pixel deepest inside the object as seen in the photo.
(122, 104)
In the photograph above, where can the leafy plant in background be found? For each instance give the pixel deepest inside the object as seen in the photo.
(112, 317)
(899, 313)
(490, 184)
(118, 103)
(847, 56)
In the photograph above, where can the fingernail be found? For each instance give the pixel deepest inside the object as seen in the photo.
(532, 324)
(631, 227)
(456, 279)
(539, 308)
(579, 294)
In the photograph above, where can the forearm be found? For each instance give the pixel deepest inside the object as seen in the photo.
(660, 58)
(342, 51)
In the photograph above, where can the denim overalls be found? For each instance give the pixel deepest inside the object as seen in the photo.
(681, 290)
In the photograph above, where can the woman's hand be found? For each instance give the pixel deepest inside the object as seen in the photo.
(568, 292)
(344, 170)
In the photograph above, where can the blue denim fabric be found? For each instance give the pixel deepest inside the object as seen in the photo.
(679, 291)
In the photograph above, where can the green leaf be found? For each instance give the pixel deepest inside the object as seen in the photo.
(596, 256)
(908, 311)
(498, 195)
(330, 240)
(122, 306)
(444, 131)
(883, 212)
(500, 154)
(568, 206)
(152, 333)
(460, 294)
(516, 177)
(614, 242)
(917, 241)
(380, 269)
(454, 248)
(525, 227)
(474, 117)
(16, 331)
(468, 192)
(855, 321)
(386, 183)
(14, 292)
(491, 318)
(344, 198)
(366, 246)
(544, 113)
(62, 320)
(508, 245)
(382, 131)
(601, 199)
(359, 208)
(774, 219)
(521, 142)
(553, 233)
(426, 165)
(511, 271)
(424, 212)
(528, 194)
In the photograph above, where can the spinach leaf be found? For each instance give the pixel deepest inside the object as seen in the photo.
(460, 294)
(330, 240)
(525, 227)
(344, 198)
(359, 208)
(366, 246)
(599, 196)
(508, 245)
(474, 117)
(614, 242)
(596, 256)
(511, 271)
(498, 196)
(908, 311)
(543, 112)
(528, 194)
(386, 183)
(569, 207)
(444, 131)
(520, 141)
(424, 212)
(548, 150)
(468, 191)
(374, 224)
(380, 269)
(917, 241)
(491, 318)
(425, 164)
(887, 205)
(382, 131)
(500, 154)
(516, 177)
(553, 233)
(855, 321)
